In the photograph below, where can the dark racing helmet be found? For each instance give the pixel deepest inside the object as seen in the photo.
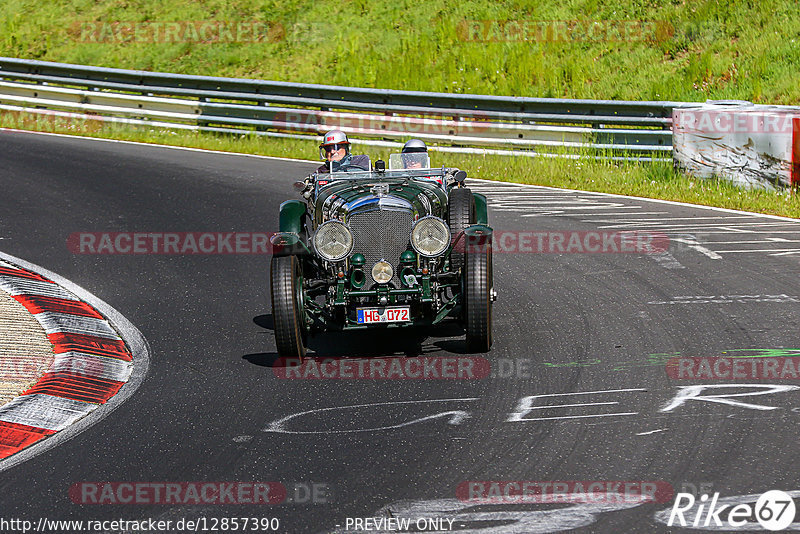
(334, 140)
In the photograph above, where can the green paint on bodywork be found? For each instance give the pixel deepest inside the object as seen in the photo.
(291, 216)
(481, 211)
(427, 295)
(339, 300)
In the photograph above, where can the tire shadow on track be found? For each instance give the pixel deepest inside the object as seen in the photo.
(410, 342)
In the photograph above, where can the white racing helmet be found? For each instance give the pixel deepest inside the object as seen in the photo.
(334, 140)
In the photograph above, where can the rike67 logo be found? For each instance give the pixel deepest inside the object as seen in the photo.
(773, 510)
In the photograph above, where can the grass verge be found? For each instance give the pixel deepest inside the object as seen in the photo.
(651, 180)
(606, 49)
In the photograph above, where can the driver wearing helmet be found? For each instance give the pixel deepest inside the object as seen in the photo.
(335, 150)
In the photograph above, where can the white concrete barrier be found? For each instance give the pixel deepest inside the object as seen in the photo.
(751, 145)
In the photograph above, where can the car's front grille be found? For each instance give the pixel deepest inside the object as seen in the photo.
(380, 235)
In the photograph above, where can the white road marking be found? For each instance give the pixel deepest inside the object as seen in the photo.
(546, 407)
(651, 432)
(559, 210)
(526, 404)
(744, 251)
(695, 393)
(711, 231)
(456, 417)
(675, 226)
(692, 244)
(661, 219)
(735, 230)
(591, 392)
(621, 213)
(727, 299)
(752, 242)
(579, 416)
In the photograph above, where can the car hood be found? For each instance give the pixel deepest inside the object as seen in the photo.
(342, 200)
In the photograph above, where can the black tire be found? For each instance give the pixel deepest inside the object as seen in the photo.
(478, 285)
(460, 215)
(288, 316)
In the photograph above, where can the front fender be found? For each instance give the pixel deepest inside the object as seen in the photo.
(478, 237)
(291, 216)
(481, 211)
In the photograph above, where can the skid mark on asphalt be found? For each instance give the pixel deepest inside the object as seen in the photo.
(667, 261)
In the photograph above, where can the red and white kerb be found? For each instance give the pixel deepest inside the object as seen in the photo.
(91, 362)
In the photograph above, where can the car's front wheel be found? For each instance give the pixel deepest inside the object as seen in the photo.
(460, 216)
(478, 282)
(288, 315)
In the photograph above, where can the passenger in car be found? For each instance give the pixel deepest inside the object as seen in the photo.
(410, 149)
(415, 156)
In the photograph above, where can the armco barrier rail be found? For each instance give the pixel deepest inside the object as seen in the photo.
(455, 122)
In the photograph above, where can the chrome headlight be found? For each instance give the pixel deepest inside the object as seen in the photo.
(430, 236)
(382, 272)
(333, 240)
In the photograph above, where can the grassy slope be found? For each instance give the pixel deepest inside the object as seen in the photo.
(730, 49)
(727, 49)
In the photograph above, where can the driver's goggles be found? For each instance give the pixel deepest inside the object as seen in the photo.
(334, 147)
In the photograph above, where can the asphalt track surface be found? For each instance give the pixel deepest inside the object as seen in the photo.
(582, 323)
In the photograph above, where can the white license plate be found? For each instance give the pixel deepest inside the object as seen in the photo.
(399, 314)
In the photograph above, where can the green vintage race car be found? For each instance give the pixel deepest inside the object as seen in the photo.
(382, 248)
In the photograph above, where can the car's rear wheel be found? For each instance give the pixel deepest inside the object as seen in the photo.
(460, 216)
(288, 315)
(478, 287)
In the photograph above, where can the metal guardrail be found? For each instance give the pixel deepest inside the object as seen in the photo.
(455, 122)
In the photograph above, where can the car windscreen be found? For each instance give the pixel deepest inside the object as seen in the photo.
(387, 175)
(413, 160)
